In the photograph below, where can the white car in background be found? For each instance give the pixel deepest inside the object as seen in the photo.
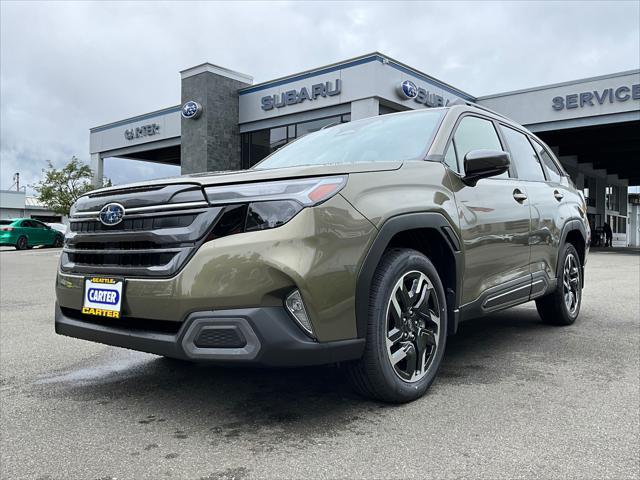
(61, 227)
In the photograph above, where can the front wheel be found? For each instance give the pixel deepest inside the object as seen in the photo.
(406, 330)
(563, 305)
(57, 243)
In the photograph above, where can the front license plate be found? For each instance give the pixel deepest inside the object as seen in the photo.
(102, 297)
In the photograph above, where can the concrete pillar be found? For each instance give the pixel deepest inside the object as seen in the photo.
(97, 167)
(601, 198)
(368, 107)
(211, 141)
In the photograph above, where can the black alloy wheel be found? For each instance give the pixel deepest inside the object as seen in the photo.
(406, 329)
(413, 326)
(562, 306)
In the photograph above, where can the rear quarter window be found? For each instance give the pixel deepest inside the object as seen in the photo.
(550, 167)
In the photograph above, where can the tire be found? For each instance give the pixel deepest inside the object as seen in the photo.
(57, 243)
(563, 305)
(399, 343)
(22, 243)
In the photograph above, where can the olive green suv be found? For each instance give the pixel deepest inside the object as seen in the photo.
(364, 244)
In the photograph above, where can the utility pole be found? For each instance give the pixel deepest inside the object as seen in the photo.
(16, 180)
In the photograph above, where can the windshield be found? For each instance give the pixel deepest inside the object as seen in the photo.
(395, 137)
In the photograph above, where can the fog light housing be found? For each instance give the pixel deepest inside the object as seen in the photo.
(298, 311)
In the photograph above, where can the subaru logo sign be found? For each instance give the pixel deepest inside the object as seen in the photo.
(191, 110)
(407, 89)
(111, 214)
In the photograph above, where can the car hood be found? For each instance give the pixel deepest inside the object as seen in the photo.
(256, 175)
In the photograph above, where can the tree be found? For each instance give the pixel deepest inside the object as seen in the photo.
(61, 188)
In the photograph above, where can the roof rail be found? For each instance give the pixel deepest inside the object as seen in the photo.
(460, 101)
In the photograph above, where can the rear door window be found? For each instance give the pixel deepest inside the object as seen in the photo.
(550, 167)
(474, 133)
(522, 154)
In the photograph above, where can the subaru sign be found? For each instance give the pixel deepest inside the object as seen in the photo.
(191, 110)
(407, 89)
(292, 97)
(111, 214)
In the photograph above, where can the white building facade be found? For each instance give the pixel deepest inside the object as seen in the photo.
(226, 122)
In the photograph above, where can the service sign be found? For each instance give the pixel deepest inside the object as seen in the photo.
(102, 297)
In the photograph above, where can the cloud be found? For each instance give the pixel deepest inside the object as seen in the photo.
(65, 67)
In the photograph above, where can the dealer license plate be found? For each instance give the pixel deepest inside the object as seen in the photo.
(102, 297)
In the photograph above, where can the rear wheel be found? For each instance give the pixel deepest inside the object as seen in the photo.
(563, 306)
(406, 330)
(22, 243)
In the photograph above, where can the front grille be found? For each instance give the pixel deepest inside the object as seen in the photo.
(124, 245)
(145, 244)
(129, 259)
(135, 224)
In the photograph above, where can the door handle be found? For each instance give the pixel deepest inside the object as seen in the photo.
(519, 196)
(558, 195)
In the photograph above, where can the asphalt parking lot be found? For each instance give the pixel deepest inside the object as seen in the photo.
(514, 399)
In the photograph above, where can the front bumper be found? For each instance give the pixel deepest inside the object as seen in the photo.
(271, 338)
(318, 252)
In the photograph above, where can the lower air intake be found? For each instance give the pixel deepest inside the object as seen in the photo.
(220, 337)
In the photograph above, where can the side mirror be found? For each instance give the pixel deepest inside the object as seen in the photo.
(484, 163)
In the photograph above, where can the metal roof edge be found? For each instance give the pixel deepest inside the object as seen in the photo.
(359, 60)
(560, 84)
(143, 116)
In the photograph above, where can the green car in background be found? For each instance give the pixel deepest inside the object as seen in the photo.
(25, 233)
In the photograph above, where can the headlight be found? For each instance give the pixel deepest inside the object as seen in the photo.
(306, 191)
(259, 206)
(263, 215)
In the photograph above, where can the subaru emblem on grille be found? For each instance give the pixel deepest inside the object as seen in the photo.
(111, 214)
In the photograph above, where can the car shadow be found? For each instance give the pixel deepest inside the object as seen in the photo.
(297, 405)
(36, 248)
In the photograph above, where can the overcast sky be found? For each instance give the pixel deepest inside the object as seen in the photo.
(66, 67)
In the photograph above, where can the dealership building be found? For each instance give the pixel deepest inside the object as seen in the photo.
(226, 122)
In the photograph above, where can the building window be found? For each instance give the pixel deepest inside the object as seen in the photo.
(590, 191)
(260, 143)
(613, 198)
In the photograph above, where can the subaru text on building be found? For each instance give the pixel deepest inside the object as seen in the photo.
(365, 243)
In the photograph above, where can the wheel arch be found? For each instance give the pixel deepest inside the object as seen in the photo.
(575, 233)
(429, 233)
